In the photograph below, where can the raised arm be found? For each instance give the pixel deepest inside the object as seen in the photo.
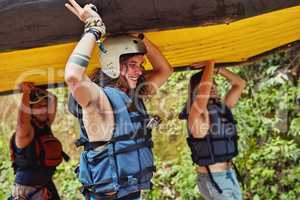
(161, 67)
(82, 88)
(24, 132)
(199, 118)
(237, 86)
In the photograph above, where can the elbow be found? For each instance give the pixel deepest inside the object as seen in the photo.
(71, 74)
(71, 78)
(169, 70)
(243, 83)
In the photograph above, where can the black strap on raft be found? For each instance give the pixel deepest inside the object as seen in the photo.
(215, 184)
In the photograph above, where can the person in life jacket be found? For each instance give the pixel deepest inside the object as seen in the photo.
(212, 131)
(34, 151)
(115, 128)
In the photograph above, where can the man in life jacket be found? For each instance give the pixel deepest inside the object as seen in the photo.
(34, 151)
(212, 132)
(117, 161)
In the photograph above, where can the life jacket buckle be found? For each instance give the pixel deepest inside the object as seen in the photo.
(132, 180)
(153, 122)
(79, 142)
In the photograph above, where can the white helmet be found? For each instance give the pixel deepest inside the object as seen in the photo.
(116, 46)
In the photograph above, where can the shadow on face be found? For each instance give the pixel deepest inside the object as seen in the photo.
(131, 69)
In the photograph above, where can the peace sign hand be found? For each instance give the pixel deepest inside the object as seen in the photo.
(82, 13)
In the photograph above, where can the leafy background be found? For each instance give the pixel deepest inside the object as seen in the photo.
(268, 116)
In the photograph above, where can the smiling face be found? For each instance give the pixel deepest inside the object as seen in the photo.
(132, 69)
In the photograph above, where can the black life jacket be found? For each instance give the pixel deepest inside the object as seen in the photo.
(220, 144)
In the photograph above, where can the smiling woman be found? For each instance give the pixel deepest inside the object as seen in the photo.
(113, 120)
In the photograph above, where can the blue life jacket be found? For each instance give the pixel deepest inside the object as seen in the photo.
(125, 163)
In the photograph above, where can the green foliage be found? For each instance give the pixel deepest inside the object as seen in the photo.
(175, 179)
(269, 129)
(6, 172)
(268, 116)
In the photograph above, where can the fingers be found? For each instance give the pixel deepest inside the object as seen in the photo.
(82, 13)
(70, 8)
(75, 5)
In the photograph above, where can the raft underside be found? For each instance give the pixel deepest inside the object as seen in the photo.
(226, 43)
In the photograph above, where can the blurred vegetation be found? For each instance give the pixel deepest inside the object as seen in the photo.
(268, 116)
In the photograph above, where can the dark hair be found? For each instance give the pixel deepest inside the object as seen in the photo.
(193, 84)
(192, 92)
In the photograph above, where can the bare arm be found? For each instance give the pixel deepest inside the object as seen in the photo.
(24, 132)
(237, 86)
(199, 118)
(82, 88)
(161, 67)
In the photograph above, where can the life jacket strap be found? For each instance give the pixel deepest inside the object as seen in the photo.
(139, 118)
(65, 156)
(130, 180)
(212, 139)
(135, 147)
(215, 184)
(239, 177)
(141, 133)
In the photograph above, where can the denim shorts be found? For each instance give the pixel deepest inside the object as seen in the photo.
(227, 182)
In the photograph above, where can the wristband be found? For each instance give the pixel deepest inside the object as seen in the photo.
(94, 32)
(95, 23)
